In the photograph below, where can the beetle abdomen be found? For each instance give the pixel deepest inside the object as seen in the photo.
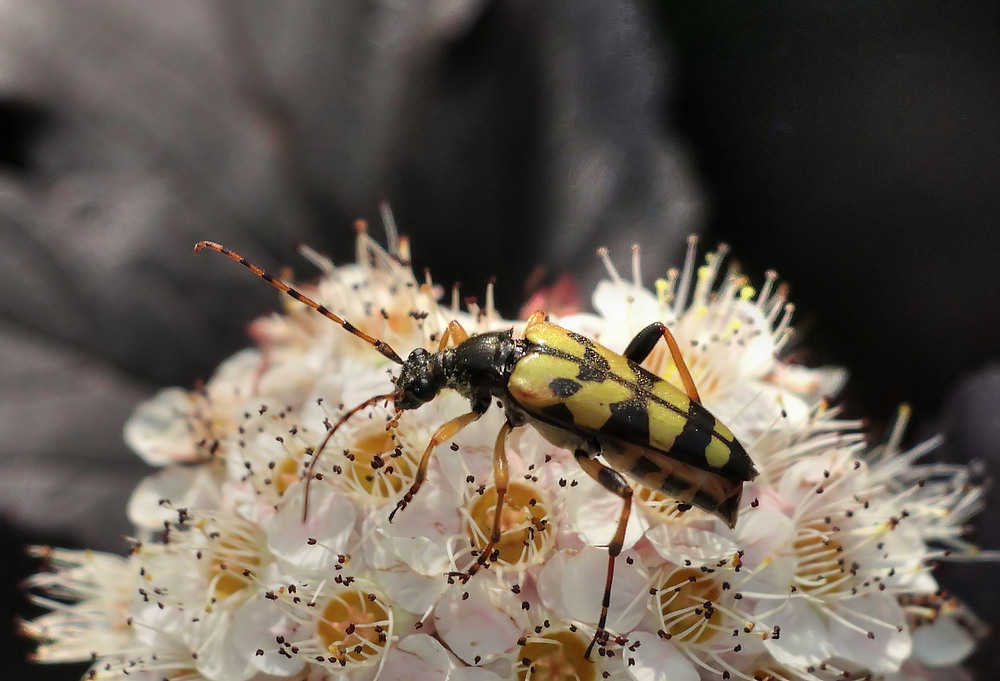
(717, 494)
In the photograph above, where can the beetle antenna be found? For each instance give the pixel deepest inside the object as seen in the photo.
(379, 345)
(326, 438)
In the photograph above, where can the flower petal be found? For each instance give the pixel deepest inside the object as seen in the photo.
(183, 487)
(482, 625)
(582, 583)
(158, 429)
(942, 643)
(593, 512)
(657, 660)
(871, 631)
(803, 636)
(686, 545)
(417, 657)
(316, 543)
(257, 624)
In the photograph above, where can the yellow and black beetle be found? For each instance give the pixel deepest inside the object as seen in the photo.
(578, 395)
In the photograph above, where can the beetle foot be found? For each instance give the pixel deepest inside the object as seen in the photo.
(400, 505)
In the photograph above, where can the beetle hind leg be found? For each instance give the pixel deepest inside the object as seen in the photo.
(612, 481)
(644, 342)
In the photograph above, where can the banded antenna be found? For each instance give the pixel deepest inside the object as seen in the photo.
(379, 345)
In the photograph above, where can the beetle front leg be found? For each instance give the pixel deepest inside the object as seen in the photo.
(446, 431)
(455, 334)
(501, 481)
(612, 481)
(643, 344)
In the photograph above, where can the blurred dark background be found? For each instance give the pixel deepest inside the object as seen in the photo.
(852, 146)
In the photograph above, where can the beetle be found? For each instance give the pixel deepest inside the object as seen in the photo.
(578, 395)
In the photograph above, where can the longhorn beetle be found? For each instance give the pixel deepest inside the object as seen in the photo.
(578, 395)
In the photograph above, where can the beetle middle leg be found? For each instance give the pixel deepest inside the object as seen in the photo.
(612, 481)
(643, 344)
(444, 432)
(501, 480)
(536, 317)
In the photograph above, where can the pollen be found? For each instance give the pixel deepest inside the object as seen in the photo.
(663, 292)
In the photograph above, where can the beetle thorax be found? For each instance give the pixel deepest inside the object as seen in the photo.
(477, 368)
(480, 366)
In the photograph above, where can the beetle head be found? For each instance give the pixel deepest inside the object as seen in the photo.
(420, 380)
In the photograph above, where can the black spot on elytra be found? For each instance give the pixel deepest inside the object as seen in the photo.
(564, 387)
(629, 421)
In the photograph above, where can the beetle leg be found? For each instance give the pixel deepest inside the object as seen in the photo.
(612, 481)
(446, 431)
(643, 344)
(454, 333)
(535, 318)
(501, 479)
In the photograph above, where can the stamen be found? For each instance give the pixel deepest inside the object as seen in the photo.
(602, 252)
(391, 232)
(684, 283)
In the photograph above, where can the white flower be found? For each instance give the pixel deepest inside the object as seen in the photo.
(88, 594)
(270, 545)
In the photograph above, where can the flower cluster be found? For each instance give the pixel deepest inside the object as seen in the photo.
(237, 575)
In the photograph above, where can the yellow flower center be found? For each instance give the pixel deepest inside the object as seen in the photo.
(685, 602)
(374, 466)
(231, 557)
(557, 656)
(525, 533)
(659, 503)
(354, 626)
(820, 558)
(286, 471)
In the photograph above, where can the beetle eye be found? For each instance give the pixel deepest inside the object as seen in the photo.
(424, 390)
